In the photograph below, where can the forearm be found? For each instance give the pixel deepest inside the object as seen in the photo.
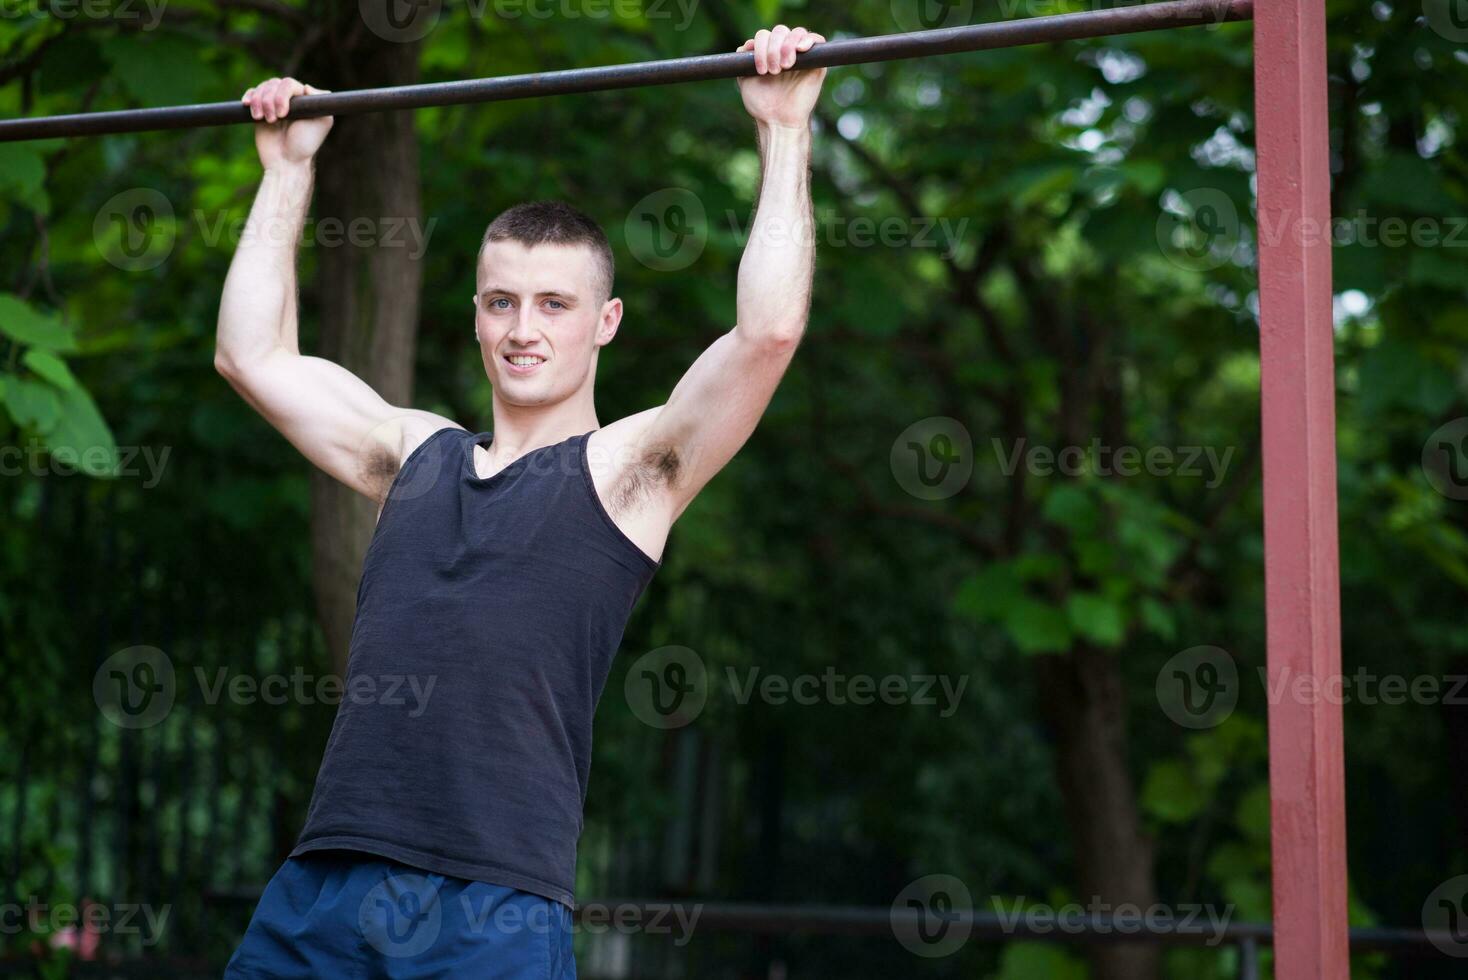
(257, 312)
(778, 267)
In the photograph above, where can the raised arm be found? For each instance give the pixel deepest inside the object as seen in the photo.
(333, 417)
(715, 407)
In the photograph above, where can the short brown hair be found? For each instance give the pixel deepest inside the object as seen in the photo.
(554, 223)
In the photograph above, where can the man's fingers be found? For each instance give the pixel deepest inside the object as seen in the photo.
(778, 54)
(762, 51)
(257, 99)
(793, 45)
(284, 92)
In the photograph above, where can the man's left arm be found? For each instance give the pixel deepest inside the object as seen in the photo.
(715, 407)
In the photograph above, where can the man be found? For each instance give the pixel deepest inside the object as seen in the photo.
(441, 835)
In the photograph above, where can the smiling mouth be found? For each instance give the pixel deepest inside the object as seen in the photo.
(524, 361)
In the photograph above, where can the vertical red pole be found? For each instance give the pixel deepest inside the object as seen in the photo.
(1301, 565)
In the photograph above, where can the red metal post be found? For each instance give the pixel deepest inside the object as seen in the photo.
(1302, 573)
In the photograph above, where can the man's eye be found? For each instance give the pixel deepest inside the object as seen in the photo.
(555, 304)
(494, 303)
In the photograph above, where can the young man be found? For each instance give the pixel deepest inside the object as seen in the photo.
(441, 836)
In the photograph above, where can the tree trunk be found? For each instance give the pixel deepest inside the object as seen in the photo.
(1084, 705)
(367, 293)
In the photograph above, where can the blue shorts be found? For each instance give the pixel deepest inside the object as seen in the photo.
(350, 914)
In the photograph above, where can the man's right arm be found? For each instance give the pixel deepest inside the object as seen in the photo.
(333, 417)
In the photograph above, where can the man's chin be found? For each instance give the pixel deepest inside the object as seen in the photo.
(523, 395)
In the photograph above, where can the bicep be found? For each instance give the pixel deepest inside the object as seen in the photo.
(334, 418)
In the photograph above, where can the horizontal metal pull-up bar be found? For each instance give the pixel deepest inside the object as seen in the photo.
(889, 47)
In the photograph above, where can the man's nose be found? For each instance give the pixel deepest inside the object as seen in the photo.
(524, 331)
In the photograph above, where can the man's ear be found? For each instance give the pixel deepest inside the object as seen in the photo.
(611, 319)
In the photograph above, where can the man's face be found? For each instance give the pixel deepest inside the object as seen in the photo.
(540, 320)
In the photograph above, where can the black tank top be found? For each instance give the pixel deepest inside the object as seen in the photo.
(487, 618)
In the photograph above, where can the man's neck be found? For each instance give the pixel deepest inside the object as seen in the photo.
(520, 429)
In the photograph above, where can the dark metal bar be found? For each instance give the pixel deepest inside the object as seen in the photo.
(1249, 959)
(889, 47)
(755, 918)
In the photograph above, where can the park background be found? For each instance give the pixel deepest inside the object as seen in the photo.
(1020, 251)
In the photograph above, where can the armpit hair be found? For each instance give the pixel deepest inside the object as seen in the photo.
(656, 468)
(379, 468)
